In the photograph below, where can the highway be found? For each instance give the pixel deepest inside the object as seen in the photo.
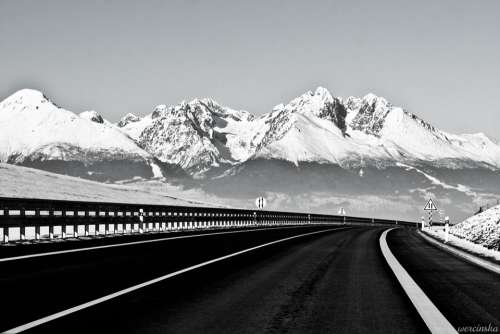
(321, 279)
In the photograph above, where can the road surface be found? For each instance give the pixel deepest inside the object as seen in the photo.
(332, 281)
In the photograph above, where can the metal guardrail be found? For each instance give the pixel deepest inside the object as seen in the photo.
(88, 217)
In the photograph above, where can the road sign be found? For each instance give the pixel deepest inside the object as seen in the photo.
(430, 206)
(260, 202)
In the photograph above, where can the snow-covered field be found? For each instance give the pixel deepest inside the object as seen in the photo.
(462, 243)
(16, 181)
(479, 234)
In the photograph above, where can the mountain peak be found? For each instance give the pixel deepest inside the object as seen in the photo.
(322, 91)
(92, 116)
(28, 93)
(159, 110)
(373, 98)
(127, 119)
(320, 104)
(27, 100)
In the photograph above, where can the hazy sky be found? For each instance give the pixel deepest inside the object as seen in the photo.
(438, 59)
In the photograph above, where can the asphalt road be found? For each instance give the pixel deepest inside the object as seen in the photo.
(467, 295)
(332, 282)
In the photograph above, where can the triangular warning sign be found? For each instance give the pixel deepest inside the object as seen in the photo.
(430, 206)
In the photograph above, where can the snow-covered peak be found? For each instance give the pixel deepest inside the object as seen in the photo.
(92, 116)
(25, 99)
(31, 125)
(310, 101)
(127, 119)
(368, 114)
(319, 103)
(322, 91)
(159, 110)
(196, 135)
(27, 96)
(373, 98)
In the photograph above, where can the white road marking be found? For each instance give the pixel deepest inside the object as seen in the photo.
(433, 318)
(476, 260)
(153, 281)
(75, 250)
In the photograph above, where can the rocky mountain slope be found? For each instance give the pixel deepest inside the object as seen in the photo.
(314, 127)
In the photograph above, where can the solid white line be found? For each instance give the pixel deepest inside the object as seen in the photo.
(75, 250)
(455, 251)
(433, 318)
(153, 281)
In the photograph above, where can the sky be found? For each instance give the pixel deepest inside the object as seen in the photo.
(437, 59)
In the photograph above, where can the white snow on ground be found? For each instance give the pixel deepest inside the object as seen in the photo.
(482, 229)
(464, 244)
(156, 170)
(460, 187)
(16, 181)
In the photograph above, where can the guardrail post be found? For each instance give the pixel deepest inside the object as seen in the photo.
(86, 225)
(37, 227)
(22, 232)
(63, 224)
(6, 234)
(141, 220)
(37, 232)
(22, 227)
(106, 222)
(51, 226)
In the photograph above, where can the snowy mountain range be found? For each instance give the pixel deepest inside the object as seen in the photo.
(35, 132)
(314, 127)
(313, 146)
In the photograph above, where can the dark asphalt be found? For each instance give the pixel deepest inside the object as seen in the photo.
(466, 294)
(334, 282)
(37, 287)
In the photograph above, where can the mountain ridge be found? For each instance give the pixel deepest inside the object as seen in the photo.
(201, 135)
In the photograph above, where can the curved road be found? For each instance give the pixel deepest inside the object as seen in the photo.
(333, 281)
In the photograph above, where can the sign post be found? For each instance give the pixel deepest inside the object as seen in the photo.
(342, 213)
(430, 207)
(446, 229)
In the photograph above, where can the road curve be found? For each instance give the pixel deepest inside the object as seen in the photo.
(466, 294)
(335, 282)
